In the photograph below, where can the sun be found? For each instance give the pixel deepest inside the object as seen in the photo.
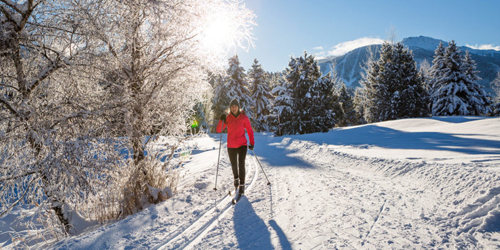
(220, 32)
(228, 27)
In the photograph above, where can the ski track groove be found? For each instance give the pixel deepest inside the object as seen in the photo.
(374, 222)
(206, 222)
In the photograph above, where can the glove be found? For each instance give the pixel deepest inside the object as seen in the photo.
(250, 147)
(223, 117)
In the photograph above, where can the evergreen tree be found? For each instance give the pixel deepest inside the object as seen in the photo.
(238, 87)
(347, 108)
(456, 90)
(337, 105)
(321, 99)
(312, 96)
(413, 94)
(282, 111)
(220, 100)
(437, 68)
(495, 85)
(394, 87)
(360, 105)
(261, 96)
(479, 101)
(425, 72)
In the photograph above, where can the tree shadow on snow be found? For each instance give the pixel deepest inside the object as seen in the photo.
(277, 153)
(373, 135)
(251, 231)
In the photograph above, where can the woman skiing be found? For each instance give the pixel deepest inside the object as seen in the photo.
(236, 123)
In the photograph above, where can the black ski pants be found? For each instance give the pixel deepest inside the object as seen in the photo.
(237, 158)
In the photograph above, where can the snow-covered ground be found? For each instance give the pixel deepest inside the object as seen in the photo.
(414, 183)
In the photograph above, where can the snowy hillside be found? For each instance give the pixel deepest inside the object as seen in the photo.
(349, 66)
(416, 183)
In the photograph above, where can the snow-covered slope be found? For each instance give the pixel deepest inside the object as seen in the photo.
(408, 184)
(423, 42)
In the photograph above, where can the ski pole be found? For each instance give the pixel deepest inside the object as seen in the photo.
(217, 173)
(268, 182)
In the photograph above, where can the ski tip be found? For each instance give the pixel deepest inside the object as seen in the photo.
(235, 200)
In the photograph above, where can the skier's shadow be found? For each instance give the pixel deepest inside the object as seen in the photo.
(251, 231)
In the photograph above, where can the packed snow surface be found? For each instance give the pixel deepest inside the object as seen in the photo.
(426, 183)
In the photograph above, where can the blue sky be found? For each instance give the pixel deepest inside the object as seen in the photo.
(323, 27)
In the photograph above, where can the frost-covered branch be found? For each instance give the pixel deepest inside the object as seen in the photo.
(29, 186)
(13, 5)
(24, 12)
(7, 105)
(9, 178)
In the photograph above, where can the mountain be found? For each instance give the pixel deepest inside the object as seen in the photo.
(350, 66)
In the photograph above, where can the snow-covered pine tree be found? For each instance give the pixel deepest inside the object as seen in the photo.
(337, 105)
(479, 101)
(360, 98)
(237, 86)
(347, 107)
(412, 91)
(376, 93)
(394, 86)
(220, 100)
(275, 79)
(425, 72)
(495, 85)
(437, 68)
(360, 105)
(455, 90)
(282, 111)
(312, 96)
(322, 101)
(261, 96)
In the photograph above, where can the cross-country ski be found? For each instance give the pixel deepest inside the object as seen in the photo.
(237, 198)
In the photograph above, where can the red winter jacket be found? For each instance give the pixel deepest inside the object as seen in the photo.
(236, 130)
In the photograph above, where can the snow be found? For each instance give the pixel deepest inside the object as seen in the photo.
(423, 42)
(426, 183)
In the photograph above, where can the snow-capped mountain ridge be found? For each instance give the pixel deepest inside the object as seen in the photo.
(430, 43)
(349, 66)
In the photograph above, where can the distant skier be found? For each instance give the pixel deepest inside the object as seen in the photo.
(236, 123)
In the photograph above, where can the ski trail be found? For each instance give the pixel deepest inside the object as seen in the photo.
(193, 234)
(374, 222)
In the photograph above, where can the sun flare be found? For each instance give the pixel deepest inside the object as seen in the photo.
(228, 27)
(220, 32)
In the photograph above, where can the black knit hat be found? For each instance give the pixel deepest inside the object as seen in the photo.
(234, 102)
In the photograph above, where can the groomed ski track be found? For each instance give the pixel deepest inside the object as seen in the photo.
(189, 236)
